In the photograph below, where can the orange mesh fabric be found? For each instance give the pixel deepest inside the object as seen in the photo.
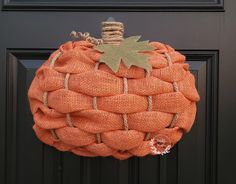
(72, 102)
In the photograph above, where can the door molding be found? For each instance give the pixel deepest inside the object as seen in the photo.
(106, 5)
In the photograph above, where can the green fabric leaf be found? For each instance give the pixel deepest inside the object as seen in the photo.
(128, 51)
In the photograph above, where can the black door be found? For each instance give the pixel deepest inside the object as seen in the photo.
(203, 30)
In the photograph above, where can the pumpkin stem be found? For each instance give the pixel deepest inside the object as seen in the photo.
(112, 31)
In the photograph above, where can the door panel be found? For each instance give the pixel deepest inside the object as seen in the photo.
(29, 157)
(203, 156)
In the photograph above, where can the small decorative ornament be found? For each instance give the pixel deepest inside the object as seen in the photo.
(113, 96)
(160, 145)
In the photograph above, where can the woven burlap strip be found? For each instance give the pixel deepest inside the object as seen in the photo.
(175, 87)
(45, 94)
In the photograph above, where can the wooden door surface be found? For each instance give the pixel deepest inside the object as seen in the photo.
(203, 30)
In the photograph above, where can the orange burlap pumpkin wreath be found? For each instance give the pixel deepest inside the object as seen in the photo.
(79, 104)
